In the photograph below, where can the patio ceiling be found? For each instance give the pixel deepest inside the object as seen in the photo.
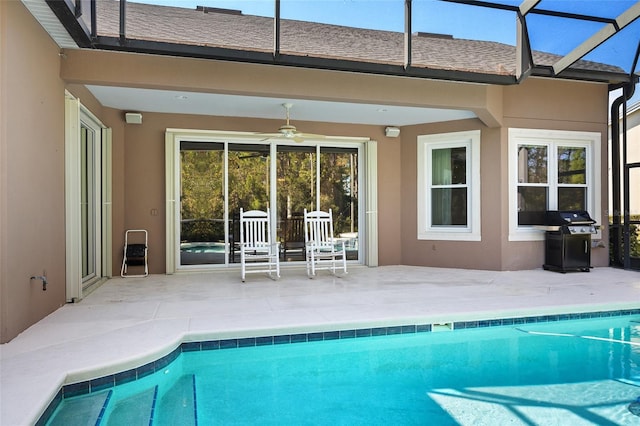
(595, 41)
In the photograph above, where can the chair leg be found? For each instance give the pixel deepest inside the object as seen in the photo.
(311, 263)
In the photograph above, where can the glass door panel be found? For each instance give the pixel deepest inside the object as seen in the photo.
(296, 189)
(88, 201)
(339, 192)
(248, 187)
(202, 218)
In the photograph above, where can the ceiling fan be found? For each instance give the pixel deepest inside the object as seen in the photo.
(289, 131)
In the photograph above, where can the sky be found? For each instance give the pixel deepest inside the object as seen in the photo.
(547, 33)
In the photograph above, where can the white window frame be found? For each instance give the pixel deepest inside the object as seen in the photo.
(591, 141)
(426, 144)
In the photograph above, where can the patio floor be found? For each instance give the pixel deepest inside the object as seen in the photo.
(129, 322)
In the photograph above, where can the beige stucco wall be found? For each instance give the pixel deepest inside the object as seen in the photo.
(557, 105)
(32, 167)
(535, 104)
(453, 254)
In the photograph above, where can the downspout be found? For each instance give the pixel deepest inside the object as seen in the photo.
(616, 228)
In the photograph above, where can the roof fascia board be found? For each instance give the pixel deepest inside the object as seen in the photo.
(582, 75)
(66, 13)
(208, 52)
(598, 38)
(216, 53)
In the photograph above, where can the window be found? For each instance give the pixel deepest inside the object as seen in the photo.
(550, 170)
(449, 186)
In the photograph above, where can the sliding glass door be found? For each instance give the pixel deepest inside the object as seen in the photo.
(338, 169)
(90, 200)
(218, 178)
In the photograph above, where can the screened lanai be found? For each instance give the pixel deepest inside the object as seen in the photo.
(487, 42)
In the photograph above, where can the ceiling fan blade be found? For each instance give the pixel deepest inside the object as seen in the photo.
(311, 135)
(289, 131)
(268, 136)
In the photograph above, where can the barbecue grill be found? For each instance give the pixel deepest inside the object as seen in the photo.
(568, 240)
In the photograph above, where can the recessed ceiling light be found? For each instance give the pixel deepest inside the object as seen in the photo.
(181, 97)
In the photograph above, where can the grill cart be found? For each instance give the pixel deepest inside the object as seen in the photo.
(568, 240)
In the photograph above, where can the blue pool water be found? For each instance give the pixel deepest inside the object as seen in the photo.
(202, 247)
(564, 372)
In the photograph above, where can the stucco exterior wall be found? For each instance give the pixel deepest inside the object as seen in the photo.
(555, 105)
(452, 254)
(535, 104)
(32, 167)
(143, 194)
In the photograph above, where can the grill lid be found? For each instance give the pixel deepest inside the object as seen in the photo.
(567, 217)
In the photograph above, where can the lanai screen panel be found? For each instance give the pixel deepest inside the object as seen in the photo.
(463, 37)
(344, 30)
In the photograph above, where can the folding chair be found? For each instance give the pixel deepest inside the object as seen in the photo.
(323, 251)
(257, 252)
(135, 254)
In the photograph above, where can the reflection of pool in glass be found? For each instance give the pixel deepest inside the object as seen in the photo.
(558, 372)
(202, 247)
(202, 253)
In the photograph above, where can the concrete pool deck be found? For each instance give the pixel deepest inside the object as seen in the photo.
(129, 322)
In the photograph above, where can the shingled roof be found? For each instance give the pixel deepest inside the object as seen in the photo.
(233, 30)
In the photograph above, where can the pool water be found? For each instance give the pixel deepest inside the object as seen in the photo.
(566, 372)
(202, 247)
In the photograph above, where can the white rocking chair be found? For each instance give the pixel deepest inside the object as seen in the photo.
(323, 251)
(257, 252)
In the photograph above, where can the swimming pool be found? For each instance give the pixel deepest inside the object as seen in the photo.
(560, 372)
